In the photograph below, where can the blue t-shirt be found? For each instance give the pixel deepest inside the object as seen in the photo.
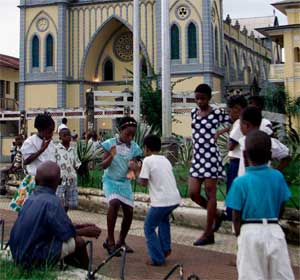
(40, 229)
(119, 165)
(259, 193)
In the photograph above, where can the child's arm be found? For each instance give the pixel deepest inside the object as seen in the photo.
(221, 132)
(232, 144)
(282, 208)
(108, 157)
(283, 163)
(34, 156)
(237, 221)
(281, 153)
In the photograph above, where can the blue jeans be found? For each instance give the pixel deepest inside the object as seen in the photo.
(159, 245)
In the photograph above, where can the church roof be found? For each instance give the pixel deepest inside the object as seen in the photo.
(257, 22)
(9, 61)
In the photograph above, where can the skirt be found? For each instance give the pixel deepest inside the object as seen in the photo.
(120, 190)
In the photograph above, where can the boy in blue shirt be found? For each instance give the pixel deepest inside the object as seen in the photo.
(257, 199)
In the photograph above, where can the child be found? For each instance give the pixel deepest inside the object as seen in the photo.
(35, 150)
(17, 162)
(157, 173)
(63, 124)
(207, 164)
(257, 200)
(118, 151)
(251, 120)
(67, 160)
(259, 103)
(235, 106)
(13, 151)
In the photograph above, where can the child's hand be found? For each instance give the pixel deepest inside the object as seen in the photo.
(45, 144)
(113, 151)
(131, 175)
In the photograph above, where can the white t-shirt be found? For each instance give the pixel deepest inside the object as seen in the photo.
(279, 151)
(162, 184)
(31, 146)
(235, 134)
(266, 126)
(60, 127)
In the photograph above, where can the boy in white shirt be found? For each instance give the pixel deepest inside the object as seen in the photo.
(251, 120)
(235, 105)
(158, 175)
(258, 102)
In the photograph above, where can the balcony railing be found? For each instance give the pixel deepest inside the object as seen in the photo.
(9, 104)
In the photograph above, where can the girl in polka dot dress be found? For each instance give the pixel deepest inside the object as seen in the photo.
(207, 164)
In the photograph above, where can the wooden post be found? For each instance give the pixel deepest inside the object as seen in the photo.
(90, 119)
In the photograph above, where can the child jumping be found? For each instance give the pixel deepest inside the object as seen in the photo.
(35, 150)
(164, 196)
(257, 200)
(68, 161)
(207, 164)
(118, 151)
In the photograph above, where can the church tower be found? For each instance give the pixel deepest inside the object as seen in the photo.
(43, 53)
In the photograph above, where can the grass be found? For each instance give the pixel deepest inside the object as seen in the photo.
(9, 270)
(181, 175)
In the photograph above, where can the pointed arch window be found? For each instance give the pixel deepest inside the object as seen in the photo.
(192, 41)
(175, 42)
(108, 71)
(49, 51)
(216, 45)
(35, 49)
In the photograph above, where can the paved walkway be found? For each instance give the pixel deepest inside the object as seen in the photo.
(210, 262)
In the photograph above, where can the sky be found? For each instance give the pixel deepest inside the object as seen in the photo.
(10, 23)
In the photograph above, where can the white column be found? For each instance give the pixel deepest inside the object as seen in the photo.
(136, 60)
(165, 70)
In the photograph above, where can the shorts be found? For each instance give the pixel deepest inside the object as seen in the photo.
(68, 194)
(263, 253)
(68, 247)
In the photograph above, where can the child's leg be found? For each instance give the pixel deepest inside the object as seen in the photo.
(60, 193)
(71, 196)
(152, 220)
(232, 174)
(210, 189)
(195, 192)
(112, 215)
(126, 222)
(279, 260)
(164, 232)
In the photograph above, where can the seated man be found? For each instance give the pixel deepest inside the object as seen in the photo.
(43, 233)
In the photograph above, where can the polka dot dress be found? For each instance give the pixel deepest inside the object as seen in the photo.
(207, 161)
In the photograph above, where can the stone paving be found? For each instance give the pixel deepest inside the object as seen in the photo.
(182, 237)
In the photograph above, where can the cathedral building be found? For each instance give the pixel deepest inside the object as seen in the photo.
(68, 47)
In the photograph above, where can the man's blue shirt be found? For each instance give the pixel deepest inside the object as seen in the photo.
(259, 193)
(40, 229)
